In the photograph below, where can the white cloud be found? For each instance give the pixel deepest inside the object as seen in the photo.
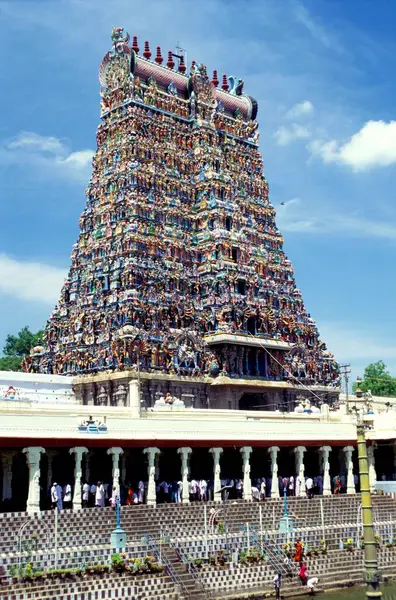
(294, 216)
(358, 345)
(300, 110)
(49, 156)
(373, 146)
(317, 31)
(34, 141)
(30, 280)
(286, 135)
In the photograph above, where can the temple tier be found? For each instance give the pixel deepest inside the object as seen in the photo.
(179, 267)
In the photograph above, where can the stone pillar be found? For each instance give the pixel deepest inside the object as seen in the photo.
(157, 466)
(79, 394)
(87, 470)
(123, 473)
(349, 467)
(273, 451)
(115, 453)
(33, 456)
(151, 457)
(185, 469)
(90, 393)
(300, 469)
(371, 463)
(7, 460)
(216, 453)
(325, 453)
(79, 452)
(50, 457)
(247, 484)
(134, 398)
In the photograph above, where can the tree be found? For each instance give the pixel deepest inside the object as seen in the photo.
(378, 380)
(17, 346)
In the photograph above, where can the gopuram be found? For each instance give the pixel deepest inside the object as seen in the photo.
(179, 278)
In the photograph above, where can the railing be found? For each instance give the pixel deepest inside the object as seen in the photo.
(163, 560)
(277, 558)
(193, 572)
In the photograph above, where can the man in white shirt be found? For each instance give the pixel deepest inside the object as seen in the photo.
(67, 496)
(291, 485)
(193, 490)
(309, 487)
(54, 495)
(85, 495)
(100, 494)
(263, 489)
(311, 584)
(203, 485)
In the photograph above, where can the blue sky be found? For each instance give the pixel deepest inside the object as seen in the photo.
(323, 74)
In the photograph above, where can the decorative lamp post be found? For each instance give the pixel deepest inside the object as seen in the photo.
(286, 523)
(372, 574)
(118, 535)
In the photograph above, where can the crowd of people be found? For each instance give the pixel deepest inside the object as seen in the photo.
(200, 490)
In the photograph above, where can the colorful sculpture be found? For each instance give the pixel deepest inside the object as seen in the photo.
(179, 266)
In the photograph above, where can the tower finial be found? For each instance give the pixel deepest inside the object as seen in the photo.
(224, 85)
(182, 65)
(135, 45)
(158, 58)
(147, 51)
(215, 79)
(170, 62)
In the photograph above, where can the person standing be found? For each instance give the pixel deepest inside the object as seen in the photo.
(54, 495)
(100, 494)
(193, 490)
(92, 492)
(179, 492)
(298, 551)
(309, 487)
(67, 496)
(291, 485)
(277, 585)
(202, 489)
(114, 499)
(85, 494)
(141, 492)
(303, 575)
(59, 503)
(239, 488)
(263, 491)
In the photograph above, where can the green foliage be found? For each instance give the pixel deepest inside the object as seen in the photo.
(11, 363)
(17, 346)
(21, 344)
(378, 380)
(221, 527)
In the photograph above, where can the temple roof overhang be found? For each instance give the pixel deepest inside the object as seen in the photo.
(247, 340)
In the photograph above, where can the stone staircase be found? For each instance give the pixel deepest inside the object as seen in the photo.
(184, 526)
(189, 586)
(80, 528)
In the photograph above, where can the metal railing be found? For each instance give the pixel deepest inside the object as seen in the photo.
(159, 555)
(194, 572)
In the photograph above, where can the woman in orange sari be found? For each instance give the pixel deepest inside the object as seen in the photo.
(299, 551)
(129, 498)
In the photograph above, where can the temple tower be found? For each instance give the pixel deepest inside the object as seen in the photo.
(179, 271)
